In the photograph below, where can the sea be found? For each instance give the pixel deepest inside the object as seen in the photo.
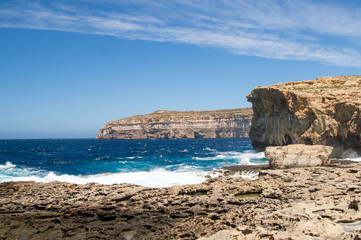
(150, 163)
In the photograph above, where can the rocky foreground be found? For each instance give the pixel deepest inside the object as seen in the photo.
(299, 203)
(227, 123)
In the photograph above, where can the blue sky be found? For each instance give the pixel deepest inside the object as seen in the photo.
(68, 67)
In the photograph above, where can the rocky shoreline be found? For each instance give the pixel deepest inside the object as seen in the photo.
(226, 123)
(318, 202)
(298, 203)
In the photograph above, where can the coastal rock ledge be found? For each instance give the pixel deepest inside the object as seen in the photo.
(297, 203)
(325, 111)
(228, 123)
(298, 155)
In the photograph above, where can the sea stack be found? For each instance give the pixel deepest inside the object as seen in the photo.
(325, 111)
(228, 123)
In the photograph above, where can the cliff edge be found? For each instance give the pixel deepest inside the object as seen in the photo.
(228, 123)
(324, 111)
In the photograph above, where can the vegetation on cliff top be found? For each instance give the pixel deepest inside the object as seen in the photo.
(166, 116)
(323, 83)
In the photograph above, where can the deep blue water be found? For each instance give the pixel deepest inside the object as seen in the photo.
(80, 160)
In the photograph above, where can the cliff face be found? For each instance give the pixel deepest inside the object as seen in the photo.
(323, 111)
(230, 123)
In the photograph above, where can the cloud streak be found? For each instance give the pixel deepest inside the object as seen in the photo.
(291, 30)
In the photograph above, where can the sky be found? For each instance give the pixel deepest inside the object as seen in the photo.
(68, 67)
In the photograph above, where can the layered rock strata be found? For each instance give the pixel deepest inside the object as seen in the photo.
(324, 111)
(297, 203)
(298, 155)
(229, 123)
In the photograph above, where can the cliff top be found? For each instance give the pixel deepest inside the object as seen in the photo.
(168, 116)
(346, 87)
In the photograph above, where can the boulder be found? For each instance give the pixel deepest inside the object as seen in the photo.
(298, 155)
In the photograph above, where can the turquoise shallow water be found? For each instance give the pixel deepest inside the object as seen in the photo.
(144, 162)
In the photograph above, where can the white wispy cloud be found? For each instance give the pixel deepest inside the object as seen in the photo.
(298, 30)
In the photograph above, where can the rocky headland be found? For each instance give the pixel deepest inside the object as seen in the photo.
(318, 202)
(325, 111)
(228, 123)
(297, 203)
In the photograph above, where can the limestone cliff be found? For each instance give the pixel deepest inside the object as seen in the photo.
(229, 123)
(323, 111)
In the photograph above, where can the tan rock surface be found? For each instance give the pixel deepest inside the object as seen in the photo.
(298, 155)
(228, 123)
(297, 203)
(324, 111)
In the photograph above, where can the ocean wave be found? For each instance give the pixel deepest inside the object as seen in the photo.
(9, 170)
(243, 158)
(156, 178)
(356, 159)
(7, 165)
(159, 177)
(352, 155)
(209, 149)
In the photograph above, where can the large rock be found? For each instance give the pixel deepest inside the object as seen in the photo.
(324, 111)
(298, 155)
(228, 123)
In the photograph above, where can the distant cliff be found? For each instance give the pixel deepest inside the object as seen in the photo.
(323, 111)
(228, 123)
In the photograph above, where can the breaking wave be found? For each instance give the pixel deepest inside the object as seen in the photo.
(352, 155)
(149, 163)
(243, 158)
(155, 178)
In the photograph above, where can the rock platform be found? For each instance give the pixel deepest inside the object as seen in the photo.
(298, 155)
(300, 203)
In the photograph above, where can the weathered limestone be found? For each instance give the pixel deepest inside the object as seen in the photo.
(295, 203)
(298, 155)
(324, 111)
(228, 123)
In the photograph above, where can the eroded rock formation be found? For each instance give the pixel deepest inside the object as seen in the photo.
(297, 203)
(324, 111)
(229, 123)
(298, 155)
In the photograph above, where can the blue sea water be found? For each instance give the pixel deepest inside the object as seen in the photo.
(154, 163)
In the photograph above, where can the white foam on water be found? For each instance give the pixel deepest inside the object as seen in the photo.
(7, 165)
(209, 149)
(357, 159)
(9, 170)
(352, 155)
(244, 158)
(156, 178)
